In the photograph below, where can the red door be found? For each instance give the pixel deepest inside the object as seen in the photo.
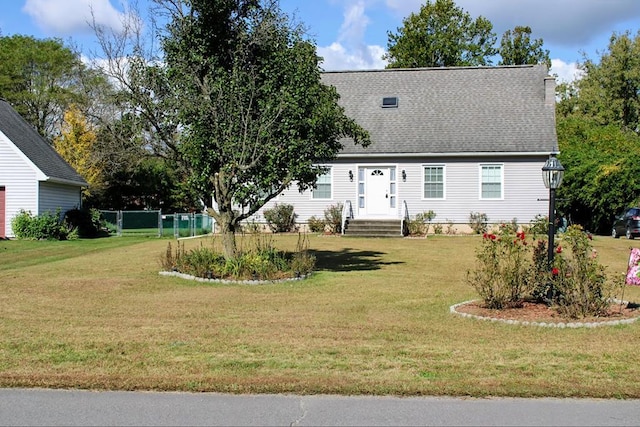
(2, 211)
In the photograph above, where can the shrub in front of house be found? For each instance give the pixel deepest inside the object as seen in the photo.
(262, 261)
(502, 276)
(580, 286)
(316, 225)
(419, 225)
(281, 218)
(333, 218)
(478, 221)
(85, 222)
(512, 267)
(46, 226)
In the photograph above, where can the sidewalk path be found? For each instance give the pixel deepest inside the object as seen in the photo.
(39, 407)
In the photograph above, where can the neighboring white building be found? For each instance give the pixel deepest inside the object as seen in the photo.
(452, 140)
(33, 176)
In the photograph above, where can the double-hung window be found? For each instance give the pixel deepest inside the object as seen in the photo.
(433, 182)
(322, 190)
(491, 181)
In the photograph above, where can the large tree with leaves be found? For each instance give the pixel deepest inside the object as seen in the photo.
(441, 35)
(517, 48)
(598, 135)
(76, 144)
(255, 116)
(41, 79)
(602, 175)
(609, 92)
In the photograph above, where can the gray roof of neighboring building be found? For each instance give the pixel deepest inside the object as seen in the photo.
(35, 147)
(451, 110)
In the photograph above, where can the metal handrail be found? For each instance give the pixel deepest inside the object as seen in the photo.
(347, 213)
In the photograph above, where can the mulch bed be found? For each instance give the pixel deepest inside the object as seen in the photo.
(539, 312)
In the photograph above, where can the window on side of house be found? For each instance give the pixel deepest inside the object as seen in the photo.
(433, 182)
(323, 187)
(491, 181)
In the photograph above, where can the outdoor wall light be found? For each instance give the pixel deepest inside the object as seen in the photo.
(404, 175)
(552, 173)
(351, 176)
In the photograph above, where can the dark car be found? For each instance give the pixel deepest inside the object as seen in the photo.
(628, 224)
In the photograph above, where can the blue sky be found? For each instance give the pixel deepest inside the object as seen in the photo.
(352, 34)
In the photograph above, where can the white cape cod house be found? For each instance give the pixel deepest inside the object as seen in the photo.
(452, 140)
(33, 176)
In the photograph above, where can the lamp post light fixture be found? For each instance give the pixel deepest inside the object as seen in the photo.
(552, 174)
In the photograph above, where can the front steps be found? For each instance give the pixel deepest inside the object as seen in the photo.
(373, 228)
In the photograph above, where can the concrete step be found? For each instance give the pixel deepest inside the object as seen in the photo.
(373, 228)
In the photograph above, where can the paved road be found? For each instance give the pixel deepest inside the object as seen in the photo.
(35, 407)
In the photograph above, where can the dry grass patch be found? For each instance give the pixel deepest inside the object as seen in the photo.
(374, 319)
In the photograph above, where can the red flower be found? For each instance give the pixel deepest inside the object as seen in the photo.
(492, 236)
(485, 236)
(555, 271)
(559, 250)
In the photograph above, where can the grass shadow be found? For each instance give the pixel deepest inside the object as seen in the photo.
(348, 259)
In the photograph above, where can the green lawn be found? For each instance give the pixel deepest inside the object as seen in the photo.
(374, 319)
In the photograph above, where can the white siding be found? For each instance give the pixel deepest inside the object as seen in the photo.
(24, 191)
(54, 196)
(19, 178)
(523, 190)
(306, 207)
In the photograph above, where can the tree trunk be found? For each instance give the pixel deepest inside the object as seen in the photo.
(228, 232)
(229, 248)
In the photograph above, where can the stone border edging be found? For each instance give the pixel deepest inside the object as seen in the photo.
(231, 282)
(560, 325)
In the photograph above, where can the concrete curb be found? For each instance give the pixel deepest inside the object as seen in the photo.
(559, 325)
(231, 282)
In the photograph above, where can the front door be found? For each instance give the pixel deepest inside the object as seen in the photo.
(2, 213)
(377, 197)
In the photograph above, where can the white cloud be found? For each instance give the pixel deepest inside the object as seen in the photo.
(567, 23)
(67, 17)
(349, 51)
(355, 23)
(565, 72)
(336, 58)
(404, 7)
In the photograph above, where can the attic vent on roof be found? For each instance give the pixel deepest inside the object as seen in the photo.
(390, 102)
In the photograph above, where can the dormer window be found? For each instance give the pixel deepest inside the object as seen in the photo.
(390, 102)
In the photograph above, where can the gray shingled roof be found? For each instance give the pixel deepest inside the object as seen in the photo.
(450, 110)
(35, 147)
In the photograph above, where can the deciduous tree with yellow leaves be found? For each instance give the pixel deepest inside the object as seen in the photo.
(76, 145)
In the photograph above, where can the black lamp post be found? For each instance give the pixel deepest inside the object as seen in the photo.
(552, 173)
